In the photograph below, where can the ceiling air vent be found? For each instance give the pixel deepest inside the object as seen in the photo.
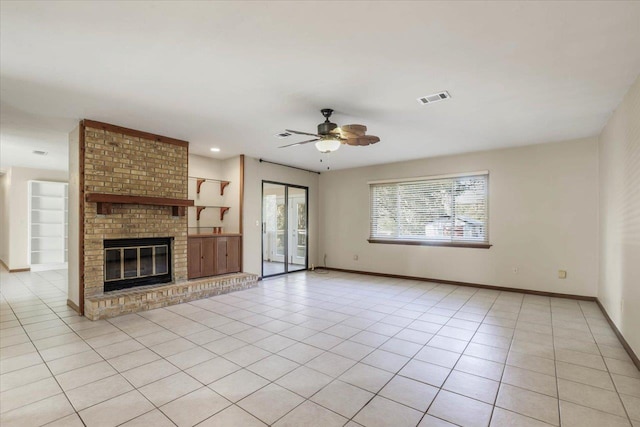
(430, 99)
(282, 135)
(40, 153)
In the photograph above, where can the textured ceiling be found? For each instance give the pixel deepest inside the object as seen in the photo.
(233, 74)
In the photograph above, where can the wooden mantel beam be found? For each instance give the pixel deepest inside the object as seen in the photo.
(105, 202)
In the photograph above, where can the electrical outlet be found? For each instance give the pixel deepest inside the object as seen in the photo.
(562, 274)
(355, 257)
(515, 270)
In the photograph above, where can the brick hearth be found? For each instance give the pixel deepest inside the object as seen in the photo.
(141, 298)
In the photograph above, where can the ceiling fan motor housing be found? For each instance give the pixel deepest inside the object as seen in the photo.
(326, 128)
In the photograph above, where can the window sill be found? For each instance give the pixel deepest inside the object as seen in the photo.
(431, 243)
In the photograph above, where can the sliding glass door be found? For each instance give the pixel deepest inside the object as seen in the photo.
(284, 228)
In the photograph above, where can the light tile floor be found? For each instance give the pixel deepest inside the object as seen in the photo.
(270, 268)
(314, 350)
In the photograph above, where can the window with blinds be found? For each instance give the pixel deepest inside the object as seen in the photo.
(447, 210)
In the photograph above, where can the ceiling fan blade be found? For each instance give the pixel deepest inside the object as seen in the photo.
(302, 133)
(347, 135)
(299, 143)
(358, 130)
(362, 140)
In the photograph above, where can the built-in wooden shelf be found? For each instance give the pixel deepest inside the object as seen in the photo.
(200, 208)
(200, 234)
(200, 181)
(105, 201)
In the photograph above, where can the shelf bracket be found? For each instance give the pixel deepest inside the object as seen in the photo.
(223, 185)
(178, 210)
(103, 208)
(199, 183)
(199, 209)
(223, 210)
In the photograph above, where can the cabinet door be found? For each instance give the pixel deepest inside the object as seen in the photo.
(194, 258)
(233, 254)
(208, 256)
(221, 255)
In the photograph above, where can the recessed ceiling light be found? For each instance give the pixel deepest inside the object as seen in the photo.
(40, 153)
(430, 99)
(215, 150)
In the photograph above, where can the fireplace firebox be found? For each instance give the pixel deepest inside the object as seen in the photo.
(136, 262)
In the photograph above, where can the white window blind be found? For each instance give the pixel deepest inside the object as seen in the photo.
(440, 209)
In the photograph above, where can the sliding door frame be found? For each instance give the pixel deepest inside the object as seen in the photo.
(286, 226)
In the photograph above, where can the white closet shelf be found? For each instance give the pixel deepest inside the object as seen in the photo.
(48, 214)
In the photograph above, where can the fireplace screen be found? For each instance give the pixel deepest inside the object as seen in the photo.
(136, 262)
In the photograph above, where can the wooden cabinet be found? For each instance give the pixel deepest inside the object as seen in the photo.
(195, 258)
(233, 254)
(228, 255)
(209, 255)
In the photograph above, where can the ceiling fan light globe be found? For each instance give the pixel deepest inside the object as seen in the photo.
(328, 145)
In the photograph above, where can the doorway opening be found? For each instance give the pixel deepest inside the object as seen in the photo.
(285, 244)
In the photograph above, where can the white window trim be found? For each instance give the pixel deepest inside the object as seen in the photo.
(434, 242)
(428, 177)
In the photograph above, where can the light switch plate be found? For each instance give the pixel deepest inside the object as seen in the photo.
(562, 274)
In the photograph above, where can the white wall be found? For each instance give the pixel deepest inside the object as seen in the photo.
(255, 172)
(73, 290)
(5, 212)
(619, 284)
(232, 195)
(542, 218)
(17, 199)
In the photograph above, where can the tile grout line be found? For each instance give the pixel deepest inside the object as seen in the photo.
(394, 374)
(423, 346)
(62, 391)
(103, 359)
(414, 319)
(413, 357)
(513, 337)
(317, 302)
(177, 367)
(555, 364)
(218, 355)
(461, 354)
(624, 408)
(337, 378)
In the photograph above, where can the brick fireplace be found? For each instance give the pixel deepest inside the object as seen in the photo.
(118, 162)
(133, 185)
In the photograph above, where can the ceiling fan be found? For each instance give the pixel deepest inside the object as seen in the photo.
(330, 137)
